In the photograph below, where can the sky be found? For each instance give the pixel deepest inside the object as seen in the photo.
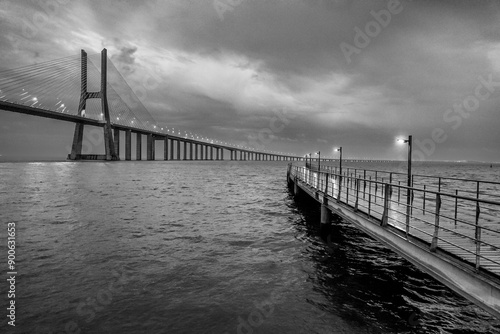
(295, 76)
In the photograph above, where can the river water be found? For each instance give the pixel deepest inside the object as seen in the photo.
(205, 247)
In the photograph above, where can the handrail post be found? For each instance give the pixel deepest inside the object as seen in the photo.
(407, 212)
(347, 190)
(456, 205)
(399, 192)
(423, 206)
(357, 181)
(326, 183)
(385, 214)
(370, 196)
(436, 224)
(340, 187)
(364, 183)
(478, 236)
(412, 195)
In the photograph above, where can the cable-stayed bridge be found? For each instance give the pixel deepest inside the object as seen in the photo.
(77, 89)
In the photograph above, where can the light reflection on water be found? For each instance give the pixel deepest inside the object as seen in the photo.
(209, 247)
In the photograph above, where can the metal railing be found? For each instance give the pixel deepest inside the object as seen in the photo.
(465, 226)
(459, 186)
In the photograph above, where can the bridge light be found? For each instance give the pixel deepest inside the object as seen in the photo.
(118, 118)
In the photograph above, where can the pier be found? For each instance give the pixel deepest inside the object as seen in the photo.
(451, 234)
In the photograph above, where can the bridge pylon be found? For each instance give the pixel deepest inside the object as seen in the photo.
(109, 146)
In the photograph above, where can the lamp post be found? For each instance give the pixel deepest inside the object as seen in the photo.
(410, 143)
(319, 160)
(408, 192)
(340, 159)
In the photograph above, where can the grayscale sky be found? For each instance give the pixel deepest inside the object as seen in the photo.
(356, 74)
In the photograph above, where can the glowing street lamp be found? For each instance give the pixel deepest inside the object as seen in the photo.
(410, 142)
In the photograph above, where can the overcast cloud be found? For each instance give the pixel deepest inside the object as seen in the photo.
(222, 68)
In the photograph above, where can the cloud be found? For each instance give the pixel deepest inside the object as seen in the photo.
(222, 78)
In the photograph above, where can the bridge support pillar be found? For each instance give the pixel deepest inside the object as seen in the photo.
(109, 146)
(178, 149)
(165, 148)
(116, 135)
(184, 156)
(190, 151)
(326, 216)
(217, 153)
(149, 147)
(296, 189)
(76, 148)
(202, 147)
(138, 154)
(153, 149)
(222, 154)
(128, 145)
(172, 149)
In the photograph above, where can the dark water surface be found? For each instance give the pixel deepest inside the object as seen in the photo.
(203, 247)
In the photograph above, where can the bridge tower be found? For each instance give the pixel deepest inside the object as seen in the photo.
(109, 146)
